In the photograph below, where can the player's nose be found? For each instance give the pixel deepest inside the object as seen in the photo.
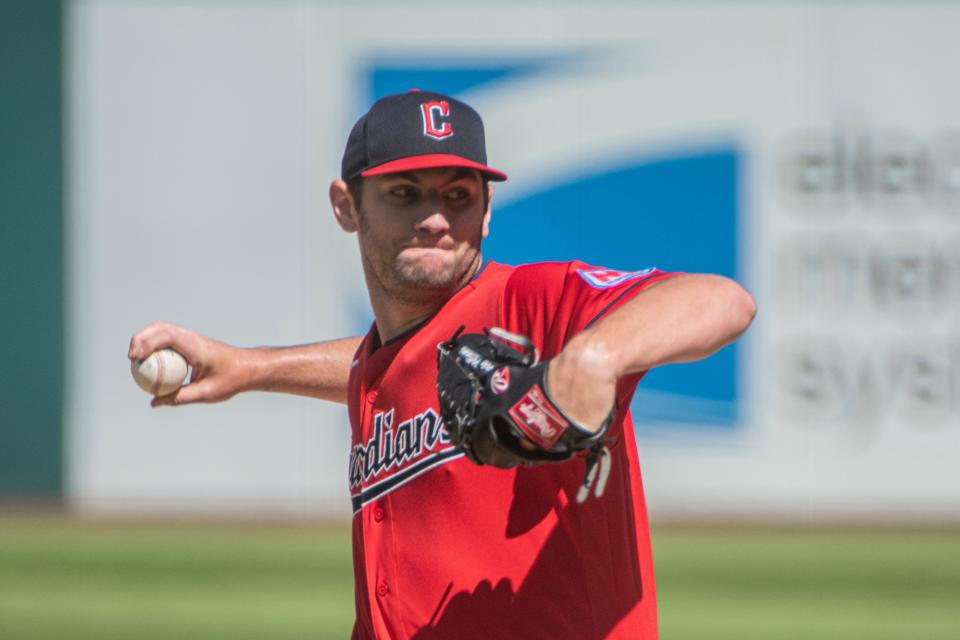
(435, 223)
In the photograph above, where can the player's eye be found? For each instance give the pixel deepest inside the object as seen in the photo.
(458, 195)
(404, 192)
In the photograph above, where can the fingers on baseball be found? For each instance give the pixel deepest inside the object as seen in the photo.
(202, 391)
(160, 335)
(155, 335)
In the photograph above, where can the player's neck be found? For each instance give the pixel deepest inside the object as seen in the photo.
(396, 314)
(395, 321)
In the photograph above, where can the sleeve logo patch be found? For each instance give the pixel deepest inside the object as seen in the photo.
(607, 278)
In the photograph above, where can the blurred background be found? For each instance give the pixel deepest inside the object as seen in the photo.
(170, 160)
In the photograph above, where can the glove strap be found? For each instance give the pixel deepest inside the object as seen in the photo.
(598, 471)
(537, 415)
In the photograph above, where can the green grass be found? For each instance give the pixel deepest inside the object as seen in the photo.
(742, 585)
(62, 579)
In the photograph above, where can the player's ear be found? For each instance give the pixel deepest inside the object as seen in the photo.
(343, 207)
(486, 214)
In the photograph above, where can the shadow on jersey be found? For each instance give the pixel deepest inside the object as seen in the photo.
(503, 610)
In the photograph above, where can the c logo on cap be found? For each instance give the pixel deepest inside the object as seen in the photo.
(432, 114)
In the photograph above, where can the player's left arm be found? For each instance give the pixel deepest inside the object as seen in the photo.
(679, 319)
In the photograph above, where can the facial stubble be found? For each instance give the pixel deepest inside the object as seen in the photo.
(414, 281)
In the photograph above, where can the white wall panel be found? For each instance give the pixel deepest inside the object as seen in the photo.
(203, 137)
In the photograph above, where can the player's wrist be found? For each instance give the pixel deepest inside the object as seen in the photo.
(254, 369)
(582, 383)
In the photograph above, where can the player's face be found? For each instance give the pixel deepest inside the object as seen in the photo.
(420, 231)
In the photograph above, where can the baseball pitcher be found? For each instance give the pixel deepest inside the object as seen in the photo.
(493, 471)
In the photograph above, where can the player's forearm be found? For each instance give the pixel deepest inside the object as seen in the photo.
(682, 319)
(319, 370)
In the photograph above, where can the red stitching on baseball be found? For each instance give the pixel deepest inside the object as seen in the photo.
(160, 372)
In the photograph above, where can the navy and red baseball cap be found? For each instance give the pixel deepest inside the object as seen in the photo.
(416, 130)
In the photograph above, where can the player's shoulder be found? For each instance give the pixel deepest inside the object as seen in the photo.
(542, 272)
(523, 274)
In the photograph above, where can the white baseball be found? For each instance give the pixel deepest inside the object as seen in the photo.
(160, 373)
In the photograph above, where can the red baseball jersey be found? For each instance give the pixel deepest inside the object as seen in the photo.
(444, 548)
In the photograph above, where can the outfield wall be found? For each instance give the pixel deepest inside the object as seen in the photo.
(812, 152)
(31, 252)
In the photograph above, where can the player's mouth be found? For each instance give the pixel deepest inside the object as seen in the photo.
(441, 250)
(445, 243)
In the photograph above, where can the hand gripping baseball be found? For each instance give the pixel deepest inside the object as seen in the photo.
(496, 405)
(217, 370)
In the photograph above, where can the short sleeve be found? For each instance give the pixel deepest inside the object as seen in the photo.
(552, 302)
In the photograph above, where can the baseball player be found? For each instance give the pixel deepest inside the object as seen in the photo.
(448, 543)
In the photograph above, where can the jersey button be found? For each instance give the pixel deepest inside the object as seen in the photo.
(372, 397)
(383, 589)
(378, 514)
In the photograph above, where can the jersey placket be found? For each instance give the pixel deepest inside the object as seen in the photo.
(375, 517)
(377, 536)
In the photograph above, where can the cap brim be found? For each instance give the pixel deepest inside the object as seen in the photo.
(431, 161)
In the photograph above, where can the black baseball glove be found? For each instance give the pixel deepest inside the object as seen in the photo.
(496, 405)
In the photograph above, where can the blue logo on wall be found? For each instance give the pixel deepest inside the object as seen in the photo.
(676, 211)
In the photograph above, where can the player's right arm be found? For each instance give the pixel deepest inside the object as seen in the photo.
(221, 371)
